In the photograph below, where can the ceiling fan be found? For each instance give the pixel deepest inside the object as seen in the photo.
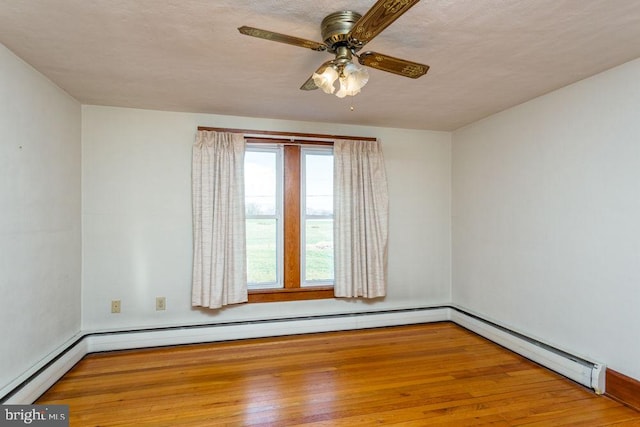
(345, 33)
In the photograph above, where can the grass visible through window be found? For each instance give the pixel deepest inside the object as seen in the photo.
(262, 254)
(319, 250)
(261, 251)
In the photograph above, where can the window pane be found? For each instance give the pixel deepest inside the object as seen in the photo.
(318, 184)
(260, 182)
(318, 218)
(318, 250)
(262, 252)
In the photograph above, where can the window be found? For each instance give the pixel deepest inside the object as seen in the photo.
(317, 217)
(263, 210)
(289, 220)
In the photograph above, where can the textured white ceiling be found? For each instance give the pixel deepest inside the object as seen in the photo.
(187, 55)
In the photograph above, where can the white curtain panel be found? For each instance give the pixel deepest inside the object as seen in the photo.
(361, 217)
(219, 258)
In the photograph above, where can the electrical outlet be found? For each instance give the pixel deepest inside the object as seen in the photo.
(115, 306)
(161, 303)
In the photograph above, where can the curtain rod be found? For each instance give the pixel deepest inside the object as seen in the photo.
(289, 135)
(288, 141)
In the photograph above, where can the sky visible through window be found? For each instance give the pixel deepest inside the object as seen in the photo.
(319, 184)
(260, 183)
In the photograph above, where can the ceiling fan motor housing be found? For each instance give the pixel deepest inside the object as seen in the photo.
(336, 26)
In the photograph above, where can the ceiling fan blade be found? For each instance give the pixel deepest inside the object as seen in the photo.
(379, 17)
(393, 65)
(282, 38)
(310, 84)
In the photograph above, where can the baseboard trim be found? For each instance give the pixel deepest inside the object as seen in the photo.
(590, 374)
(262, 328)
(623, 389)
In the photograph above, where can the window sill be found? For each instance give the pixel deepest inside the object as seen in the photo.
(291, 294)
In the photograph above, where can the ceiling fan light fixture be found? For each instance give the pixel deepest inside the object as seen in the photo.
(350, 76)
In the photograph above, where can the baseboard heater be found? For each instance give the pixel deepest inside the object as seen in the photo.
(32, 384)
(580, 370)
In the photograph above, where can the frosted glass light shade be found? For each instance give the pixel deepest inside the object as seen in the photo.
(326, 79)
(353, 78)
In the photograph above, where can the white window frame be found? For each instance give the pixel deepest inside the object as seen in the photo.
(277, 150)
(324, 151)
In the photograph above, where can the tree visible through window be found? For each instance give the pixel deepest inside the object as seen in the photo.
(289, 221)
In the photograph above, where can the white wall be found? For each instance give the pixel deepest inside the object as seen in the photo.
(39, 217)
(137, 241)
(546, 218)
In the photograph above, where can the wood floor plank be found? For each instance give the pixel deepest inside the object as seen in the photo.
(433, 374)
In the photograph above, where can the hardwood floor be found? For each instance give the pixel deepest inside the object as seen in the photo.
(434, 374)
